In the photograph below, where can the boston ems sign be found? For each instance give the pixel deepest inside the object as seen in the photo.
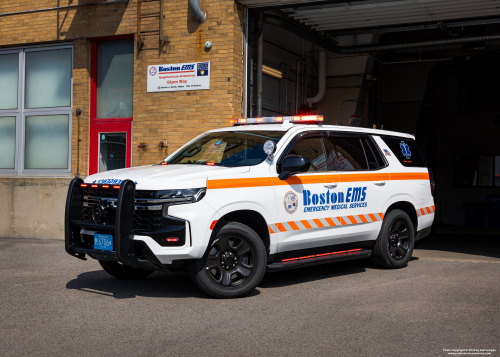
(181, 76)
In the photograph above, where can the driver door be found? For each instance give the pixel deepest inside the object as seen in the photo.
(303, 200)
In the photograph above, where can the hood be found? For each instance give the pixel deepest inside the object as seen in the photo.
(158, 177)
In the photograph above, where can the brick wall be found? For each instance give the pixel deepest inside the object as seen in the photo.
(172, 116)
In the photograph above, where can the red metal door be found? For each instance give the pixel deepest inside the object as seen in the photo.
(111, 105)
(110, 144)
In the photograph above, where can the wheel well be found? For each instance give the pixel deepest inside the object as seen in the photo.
(408, 208)
(251, 219)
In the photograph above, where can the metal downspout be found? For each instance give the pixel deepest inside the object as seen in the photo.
(199, 14)
(321, 80)
(260, 51)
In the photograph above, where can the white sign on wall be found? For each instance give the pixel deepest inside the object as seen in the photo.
(180, 76)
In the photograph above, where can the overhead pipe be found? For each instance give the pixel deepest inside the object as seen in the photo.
(199, 14)
(321, 80)
(328, 45)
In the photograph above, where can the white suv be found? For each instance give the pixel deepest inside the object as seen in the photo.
(267, 194)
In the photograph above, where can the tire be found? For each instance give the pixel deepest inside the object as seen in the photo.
(124, 272)
(395, 242)
(234, 263)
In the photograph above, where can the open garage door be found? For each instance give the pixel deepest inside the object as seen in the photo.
(425, 67)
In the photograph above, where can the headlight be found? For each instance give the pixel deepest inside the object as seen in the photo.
(176, 197)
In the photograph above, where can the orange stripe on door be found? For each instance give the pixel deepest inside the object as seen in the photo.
(362, 218)
(341, 220)
(294, 226)
(410, 176)
(352, 219)
(372, 216)
(270, 230)
(330, 222)
(318, 223)
(363, 177)
(280, 227)
(306, 224)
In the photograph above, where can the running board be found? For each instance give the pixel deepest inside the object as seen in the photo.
(300, 262)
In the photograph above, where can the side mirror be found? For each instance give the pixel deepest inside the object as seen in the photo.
(292, 165)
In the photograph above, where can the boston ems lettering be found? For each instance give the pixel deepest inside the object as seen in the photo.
(353, 198)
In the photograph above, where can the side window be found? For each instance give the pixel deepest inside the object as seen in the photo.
(350, 153)
(405, 150)
(313, 149)
(373, 157)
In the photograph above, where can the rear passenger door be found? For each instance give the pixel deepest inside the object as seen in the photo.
(363, 188)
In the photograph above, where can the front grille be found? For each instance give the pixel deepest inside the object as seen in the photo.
(99, 207)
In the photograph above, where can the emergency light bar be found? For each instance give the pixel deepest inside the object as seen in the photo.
(274, 120)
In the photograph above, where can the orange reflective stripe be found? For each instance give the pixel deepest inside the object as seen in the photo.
(318, 223)
(362, 218)
(280, 227)
(372, 216)
(428, 210)
(410, 176)
(294, 226)
(330, 222)
(422, 211)
(239, 183)
(306, 224)
(341, 220)
(270, 230)
(312, 179)
(381, 215)
(352, 219)
(433, 208)
(363, 177)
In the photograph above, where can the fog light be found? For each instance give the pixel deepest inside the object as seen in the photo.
(172, 239)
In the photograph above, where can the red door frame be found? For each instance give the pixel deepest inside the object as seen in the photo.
(104, 124)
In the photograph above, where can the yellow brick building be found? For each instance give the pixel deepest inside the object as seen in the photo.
(44, 37)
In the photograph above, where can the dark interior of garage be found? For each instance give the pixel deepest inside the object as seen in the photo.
(444, 91)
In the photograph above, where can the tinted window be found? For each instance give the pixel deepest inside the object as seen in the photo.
(373, 157)
(406, 151)
(312, 148)
(350, 155)
(227, 148)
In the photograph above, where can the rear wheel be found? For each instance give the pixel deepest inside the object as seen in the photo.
(234, 263)
(395, 242)
(124, 272)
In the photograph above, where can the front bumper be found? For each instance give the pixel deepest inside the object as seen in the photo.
(131, 246)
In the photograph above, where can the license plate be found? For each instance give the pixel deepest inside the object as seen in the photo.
(103, 241)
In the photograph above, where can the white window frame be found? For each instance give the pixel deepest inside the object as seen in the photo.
(21, 113)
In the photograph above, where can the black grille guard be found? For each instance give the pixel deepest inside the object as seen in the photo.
(123, 229)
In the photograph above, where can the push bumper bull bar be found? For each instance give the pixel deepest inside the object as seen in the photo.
(123, 229)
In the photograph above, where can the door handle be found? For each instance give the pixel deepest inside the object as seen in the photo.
(331, 185)
(379, 183)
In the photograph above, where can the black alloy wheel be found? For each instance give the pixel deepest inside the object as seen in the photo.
(394, 245)
(234, 263)
(399, 239)
(230, 261)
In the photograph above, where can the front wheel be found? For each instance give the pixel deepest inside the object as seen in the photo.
(124, 272)
(234, 263)
(395, 242)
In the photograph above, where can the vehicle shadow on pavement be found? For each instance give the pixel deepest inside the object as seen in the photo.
(317, 272)
(161, 285)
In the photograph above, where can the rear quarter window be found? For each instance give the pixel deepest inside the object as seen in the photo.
(406, 150)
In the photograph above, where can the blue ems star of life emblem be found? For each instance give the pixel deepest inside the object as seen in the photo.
(405, 149)
(152, 71)
(291, 202)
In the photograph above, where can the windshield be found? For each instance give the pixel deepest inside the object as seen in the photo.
(227, 148)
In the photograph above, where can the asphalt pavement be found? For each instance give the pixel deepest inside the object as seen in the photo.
(448, 298)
